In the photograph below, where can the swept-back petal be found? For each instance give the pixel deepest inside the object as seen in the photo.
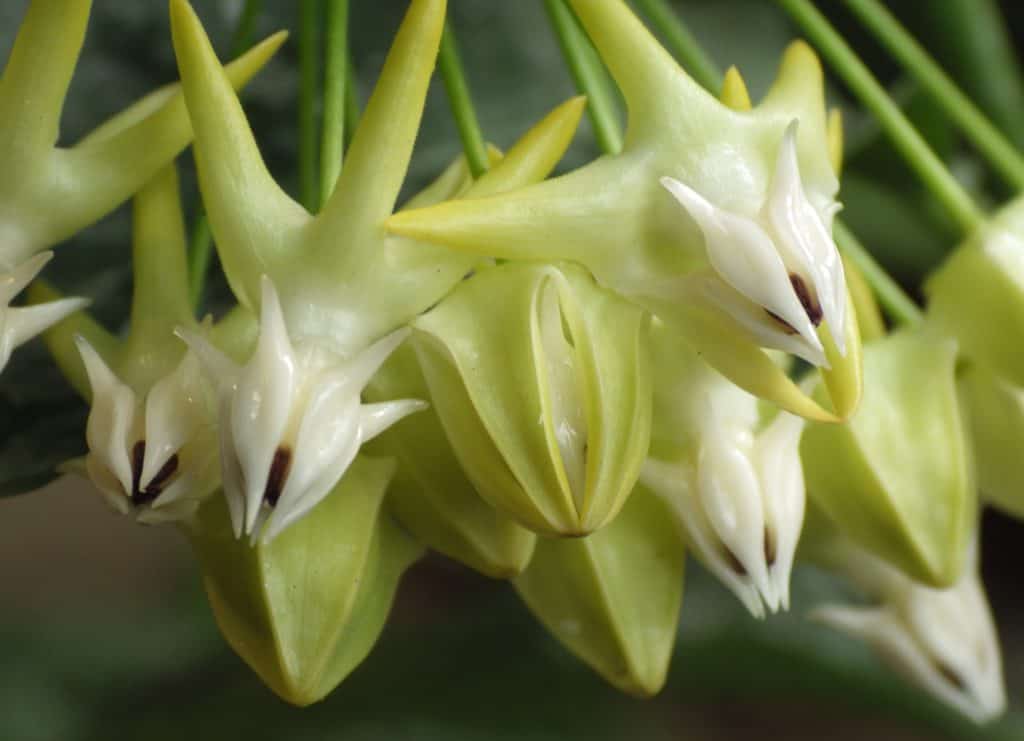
(36, 79)
(254, 221)
(378, 158)
(149, 135)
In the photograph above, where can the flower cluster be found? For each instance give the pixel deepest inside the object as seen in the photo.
(567, 382)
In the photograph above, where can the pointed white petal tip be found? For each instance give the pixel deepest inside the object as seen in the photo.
(783, 260)
(20, 324)
(741, 503)
(943, 640)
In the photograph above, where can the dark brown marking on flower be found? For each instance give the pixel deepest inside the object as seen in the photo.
(734, 563)
(138, 455)
(163, 476)
(812, 307)
(279, 468)
(786, 326)
(139, 496)
(949, 675)
(770, 548)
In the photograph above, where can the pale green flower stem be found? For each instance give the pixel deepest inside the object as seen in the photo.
(309, 80)
(336, 75)
(1000, 153)
(200, 248)
(450, 66)
(589, 74)
(908, 141)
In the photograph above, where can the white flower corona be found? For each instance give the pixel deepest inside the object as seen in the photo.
(942, 639)
(155, 459)
(21, 323)
(741, 501)
(291, 420)
(780, 271)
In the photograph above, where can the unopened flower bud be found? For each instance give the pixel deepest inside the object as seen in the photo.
(541, 380)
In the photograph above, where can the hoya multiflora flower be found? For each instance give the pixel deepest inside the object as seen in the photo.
(735, 485)
(740, 258)
(48, 193)
(151, 429)
(943, 640)
(291, 419)
(782, 261)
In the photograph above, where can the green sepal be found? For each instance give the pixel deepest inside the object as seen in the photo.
(977, 295)
(483, 356)
(430, 495)
(995, 411)
(898, 477)
(613, 598)
(306, 609)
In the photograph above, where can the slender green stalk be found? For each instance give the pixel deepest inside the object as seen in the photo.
(450, 65)
(335, 84)
(589, 74)
(936, 177)
(996, 148)
(200, 247)
(977, 44)
(683, 44)
(309, 73)
(900, 308)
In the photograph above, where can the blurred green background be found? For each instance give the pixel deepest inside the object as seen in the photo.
(104, 632)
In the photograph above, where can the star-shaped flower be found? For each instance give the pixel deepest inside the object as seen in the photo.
(943, 640)
(152, 420)
(736, 485)
(291, 420)
(749, 261)
(155, 458)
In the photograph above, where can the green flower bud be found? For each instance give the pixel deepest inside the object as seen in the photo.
(977, 296)
(995, 410)
(898, 477)
(613, 598)
(431, 495)
(304, 610)
(541, 380)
